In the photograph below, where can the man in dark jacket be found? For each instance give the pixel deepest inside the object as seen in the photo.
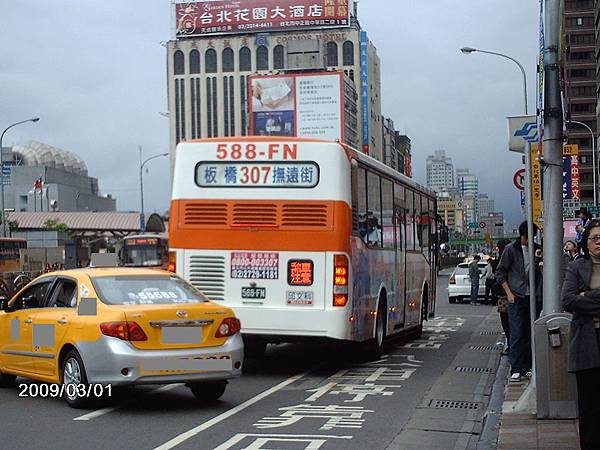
(474, 274)
(512, 274)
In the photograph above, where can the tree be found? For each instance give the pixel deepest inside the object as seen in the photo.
(55, 225)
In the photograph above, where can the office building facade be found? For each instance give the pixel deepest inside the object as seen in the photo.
(439, 171)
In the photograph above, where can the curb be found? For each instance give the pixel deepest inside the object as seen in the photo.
(493, 414)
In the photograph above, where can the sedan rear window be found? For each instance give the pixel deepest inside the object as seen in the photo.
(463, 269)
(145, 290)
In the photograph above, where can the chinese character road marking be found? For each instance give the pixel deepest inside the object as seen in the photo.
(338, 416)
(314, 441)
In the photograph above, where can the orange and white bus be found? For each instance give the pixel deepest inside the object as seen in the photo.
(304, 239)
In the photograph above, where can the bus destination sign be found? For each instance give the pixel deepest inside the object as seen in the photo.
(266, 174)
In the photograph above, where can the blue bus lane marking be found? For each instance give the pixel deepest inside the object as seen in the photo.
(336, 404)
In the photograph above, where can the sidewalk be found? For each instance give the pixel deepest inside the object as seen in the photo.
(522, 430)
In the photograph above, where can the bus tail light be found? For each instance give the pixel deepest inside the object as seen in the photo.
(340, 280)
(172, 262)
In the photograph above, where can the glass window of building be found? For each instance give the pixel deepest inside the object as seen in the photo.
(262, 58)
(332, 54)
(194, 61)
(245, 60)
(348, 53)
(278, 57)
(227, 60)
(210, 61)
(178, 63)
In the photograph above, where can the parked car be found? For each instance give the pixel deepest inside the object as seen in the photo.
(117, 327)
(459, 283)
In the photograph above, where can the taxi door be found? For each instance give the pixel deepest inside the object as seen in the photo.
(16, 330)
(50, 324)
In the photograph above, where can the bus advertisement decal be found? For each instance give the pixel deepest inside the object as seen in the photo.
(255, 265)
(299, 298)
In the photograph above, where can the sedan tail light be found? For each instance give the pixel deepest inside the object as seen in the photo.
(127, 331)
(229, 327)
(452, 279)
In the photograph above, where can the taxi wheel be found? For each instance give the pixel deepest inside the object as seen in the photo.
(209, 391)
(73, 374)
(7, 380)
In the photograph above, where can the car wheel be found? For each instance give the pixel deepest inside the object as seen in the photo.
(452, 299)
(73, 377)
(7, 380)
(208, 391)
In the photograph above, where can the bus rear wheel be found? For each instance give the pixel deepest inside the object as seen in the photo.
(374, 347)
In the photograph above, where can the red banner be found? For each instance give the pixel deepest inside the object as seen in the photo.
(245, 16)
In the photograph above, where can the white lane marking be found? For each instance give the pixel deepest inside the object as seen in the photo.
(204, 426)
(101, 412)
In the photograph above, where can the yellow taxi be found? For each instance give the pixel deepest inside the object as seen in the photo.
(117, 327)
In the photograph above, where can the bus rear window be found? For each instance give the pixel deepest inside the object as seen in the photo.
(268, 174)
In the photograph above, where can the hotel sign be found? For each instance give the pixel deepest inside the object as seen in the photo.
(203, 18)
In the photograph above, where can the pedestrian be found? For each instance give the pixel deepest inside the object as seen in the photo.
(512, 274)
(502, 303)
(490, 281)
(581, 296)
(474, 274)
(570, 251)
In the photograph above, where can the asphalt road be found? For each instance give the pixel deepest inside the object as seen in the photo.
(296, 397)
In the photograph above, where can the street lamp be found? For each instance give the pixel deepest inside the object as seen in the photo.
(142, 221)
(593, 155)
(34, 119)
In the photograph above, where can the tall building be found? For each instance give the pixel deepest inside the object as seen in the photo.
(581, 72)
(452, 211)
(404, 154)
(213, 55)
(440, 171)
(486, 205)
(468, 186)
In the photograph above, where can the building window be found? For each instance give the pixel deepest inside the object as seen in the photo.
(179, 110)
(332, 54)
(211, 107)
(262, 58)
(196, 106)
(278, 57)
(194, 61)
(228, 64)
(178, 63)
(215, 109)
(228, 106)
(244, 103)
(348, 52)
(245, 60)
(210, 61)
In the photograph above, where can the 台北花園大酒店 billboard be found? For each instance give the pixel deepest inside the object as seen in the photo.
(251, 16)
(303, 105)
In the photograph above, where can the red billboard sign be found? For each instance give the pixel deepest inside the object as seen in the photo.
(244, 16)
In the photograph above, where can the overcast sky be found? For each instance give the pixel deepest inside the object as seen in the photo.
(94, 72)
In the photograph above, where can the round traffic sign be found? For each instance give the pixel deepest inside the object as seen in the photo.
(482, 225)
(519, 179)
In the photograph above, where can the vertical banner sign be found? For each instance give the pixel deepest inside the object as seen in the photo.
(408, 166)
(566, 191)
(571, 187)
(536, 184)
(540, 86)
(364, 76)
(575, 191)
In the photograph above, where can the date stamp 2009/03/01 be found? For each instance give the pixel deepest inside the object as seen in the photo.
(59, 390)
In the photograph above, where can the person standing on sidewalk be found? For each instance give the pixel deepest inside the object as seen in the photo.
(581, 296)
(502, 302)
(512, 274)
(490, 280)
(474, 274)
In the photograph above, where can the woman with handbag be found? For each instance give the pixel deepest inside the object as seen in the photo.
(581, 296)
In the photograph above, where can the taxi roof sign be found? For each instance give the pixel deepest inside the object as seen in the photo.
(104, 260)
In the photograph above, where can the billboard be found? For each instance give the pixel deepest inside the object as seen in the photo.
(300, 105)
(202, 18)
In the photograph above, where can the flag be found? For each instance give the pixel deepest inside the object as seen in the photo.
(38, 184)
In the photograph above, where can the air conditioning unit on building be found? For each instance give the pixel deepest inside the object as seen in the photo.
(306, 54)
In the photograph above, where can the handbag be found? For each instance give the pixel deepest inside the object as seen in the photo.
(503, 304)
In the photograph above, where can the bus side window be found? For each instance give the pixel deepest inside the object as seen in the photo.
(387, 194)
(374, 210)
(399, 205)
(410, 221)
(359, 202)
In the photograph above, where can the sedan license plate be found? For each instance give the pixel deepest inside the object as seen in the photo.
(254, 292)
